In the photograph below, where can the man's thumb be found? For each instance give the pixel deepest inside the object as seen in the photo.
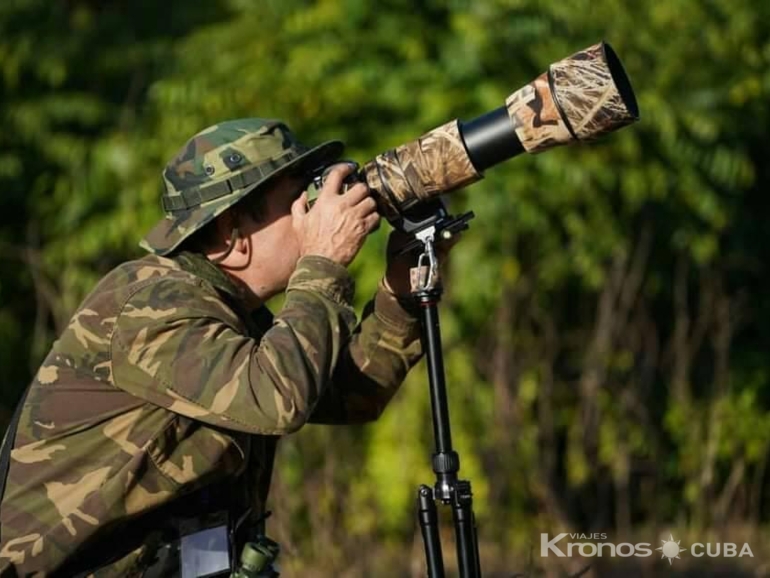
(299, 207)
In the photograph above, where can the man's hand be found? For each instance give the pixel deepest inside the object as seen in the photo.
(338, 223)
(397, 273)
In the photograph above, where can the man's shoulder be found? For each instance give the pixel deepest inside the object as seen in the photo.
(158, 287)
(144, 288)
(131, 277)
(146, 270)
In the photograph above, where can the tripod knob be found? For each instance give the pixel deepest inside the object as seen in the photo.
(446, 463)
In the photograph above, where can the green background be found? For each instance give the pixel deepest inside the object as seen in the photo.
(605, 319)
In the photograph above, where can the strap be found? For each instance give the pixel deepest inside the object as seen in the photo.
(197, 195)
(8, 441)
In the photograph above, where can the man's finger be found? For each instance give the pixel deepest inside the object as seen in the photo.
(372, 222)
(355, 194)
(333, 182)
(367, 206)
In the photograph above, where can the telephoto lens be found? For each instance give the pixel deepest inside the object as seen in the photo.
(577, 99)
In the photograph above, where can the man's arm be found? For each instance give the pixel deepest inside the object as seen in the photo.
(381, 350)
(178, 346)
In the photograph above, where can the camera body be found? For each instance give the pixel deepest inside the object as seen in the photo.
(408, 221)
(319, 179)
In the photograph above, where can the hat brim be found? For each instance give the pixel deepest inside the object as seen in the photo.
(174, 228)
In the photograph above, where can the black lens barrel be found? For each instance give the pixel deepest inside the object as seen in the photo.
(490, 139)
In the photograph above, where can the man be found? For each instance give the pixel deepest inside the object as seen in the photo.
(156, 414)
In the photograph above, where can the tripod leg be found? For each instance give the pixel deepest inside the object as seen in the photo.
(428, 516)
(476, 545)
(465, 532)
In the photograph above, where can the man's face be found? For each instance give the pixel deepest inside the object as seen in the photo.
(273, 239)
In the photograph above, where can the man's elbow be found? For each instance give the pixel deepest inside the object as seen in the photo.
(291, 415)
(292, 423)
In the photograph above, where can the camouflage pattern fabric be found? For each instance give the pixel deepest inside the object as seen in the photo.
(219, 166)
(431, 165)
(162, 384)
(577, 99)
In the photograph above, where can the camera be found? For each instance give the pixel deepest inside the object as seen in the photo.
(577, 99)
(318, 178)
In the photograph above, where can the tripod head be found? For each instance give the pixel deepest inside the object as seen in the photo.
(429, 223)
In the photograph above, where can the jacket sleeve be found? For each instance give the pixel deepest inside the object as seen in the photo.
(373, 363)
(179, 346)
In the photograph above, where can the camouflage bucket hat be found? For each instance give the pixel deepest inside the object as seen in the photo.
(222, 164)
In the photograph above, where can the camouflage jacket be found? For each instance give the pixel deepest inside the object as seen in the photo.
(162, 384)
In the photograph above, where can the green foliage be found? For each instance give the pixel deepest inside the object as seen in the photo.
(605, 321)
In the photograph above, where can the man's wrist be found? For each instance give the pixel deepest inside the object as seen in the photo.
(395, 310)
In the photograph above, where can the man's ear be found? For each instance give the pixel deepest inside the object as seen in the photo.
(238, 235)
(224, 225)
(232, 247)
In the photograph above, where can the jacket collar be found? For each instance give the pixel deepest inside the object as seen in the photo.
(258, 321)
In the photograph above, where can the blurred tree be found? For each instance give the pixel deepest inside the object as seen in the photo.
(607, 361)
(73, 79)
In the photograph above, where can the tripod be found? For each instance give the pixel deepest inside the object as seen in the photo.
(448, 488)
